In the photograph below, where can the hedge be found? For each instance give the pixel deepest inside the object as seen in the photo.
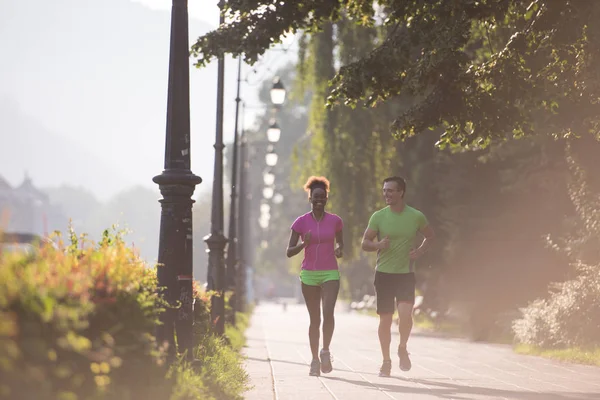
(77, 322)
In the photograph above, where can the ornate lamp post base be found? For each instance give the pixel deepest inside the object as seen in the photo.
(177, 184)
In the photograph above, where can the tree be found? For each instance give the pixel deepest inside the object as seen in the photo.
(351, 147)
(568, 314)
(473, 198)
(267, 245)
(537, 70)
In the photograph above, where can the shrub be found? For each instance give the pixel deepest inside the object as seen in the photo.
(77, 322)
(570, 315)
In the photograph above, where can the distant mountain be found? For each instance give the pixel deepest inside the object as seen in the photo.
(90, 79)
(27, 146)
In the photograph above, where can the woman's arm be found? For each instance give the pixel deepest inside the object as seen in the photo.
(339, 238)
(293, 246)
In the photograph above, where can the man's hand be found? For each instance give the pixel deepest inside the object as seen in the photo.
(416, 253)
(383, 243)
(307, 238)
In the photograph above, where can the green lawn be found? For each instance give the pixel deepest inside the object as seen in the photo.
(575, 355)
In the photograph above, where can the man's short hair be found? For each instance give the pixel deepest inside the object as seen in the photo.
(399, 180)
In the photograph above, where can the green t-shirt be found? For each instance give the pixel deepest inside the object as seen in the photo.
(401, 229)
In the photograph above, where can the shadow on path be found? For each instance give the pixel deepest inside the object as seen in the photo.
(453, 391)
(266, 360)
(251, 339)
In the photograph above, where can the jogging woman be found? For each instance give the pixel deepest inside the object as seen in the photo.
(322, 242)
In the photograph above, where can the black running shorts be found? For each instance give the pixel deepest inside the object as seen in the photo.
(392, 289)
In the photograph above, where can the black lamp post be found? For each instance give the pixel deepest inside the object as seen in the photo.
(241, 276)
(216, 240)
(177, 184)
(237, 252)
(232, 250)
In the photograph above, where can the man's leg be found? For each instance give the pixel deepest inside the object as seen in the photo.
(406, 299)
(385, 334)
(385, 309)
(405, 321)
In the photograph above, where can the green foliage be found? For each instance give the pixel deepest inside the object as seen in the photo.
(480, 70)
(349, 146)
(266, 247)
(77, 321)
(570, 315)
(462, 193)
(222, 373)
(568, 318)
(459, 75)
(576, 354)
(134, 209)
(235, 333)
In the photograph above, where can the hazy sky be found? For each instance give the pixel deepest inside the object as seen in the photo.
(83, 84)
(203, 10)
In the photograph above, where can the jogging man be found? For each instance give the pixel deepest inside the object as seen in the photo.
(392, 232)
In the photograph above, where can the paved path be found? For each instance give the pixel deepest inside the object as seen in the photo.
(278, 356)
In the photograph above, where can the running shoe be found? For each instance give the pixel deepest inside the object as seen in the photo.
(315, 368)
(386, 368)
(405, 364)
(326, 360)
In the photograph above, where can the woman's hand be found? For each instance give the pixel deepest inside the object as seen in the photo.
(339, 251)
(307, 238)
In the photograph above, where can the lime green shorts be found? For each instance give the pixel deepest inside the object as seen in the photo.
(317, 278)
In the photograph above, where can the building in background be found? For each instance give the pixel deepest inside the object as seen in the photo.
(27, 209)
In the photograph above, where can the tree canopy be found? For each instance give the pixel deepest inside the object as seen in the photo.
(479, 69)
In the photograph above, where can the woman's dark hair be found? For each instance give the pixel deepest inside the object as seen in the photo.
(315, 182)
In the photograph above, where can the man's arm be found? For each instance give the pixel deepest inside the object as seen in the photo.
(429, 236)
(370, 243)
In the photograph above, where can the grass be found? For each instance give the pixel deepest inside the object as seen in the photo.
(572, 355)
(575, 355)
(454, 329)
(235, 334)
(425, 323)
(222, 374)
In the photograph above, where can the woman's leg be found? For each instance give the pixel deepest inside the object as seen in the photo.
(330, 290)
(312, 298)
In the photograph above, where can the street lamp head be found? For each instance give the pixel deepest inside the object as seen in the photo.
(271, 159)
(277, 92)
(269, 178)
(274, 132)
(268, 193)
(263, 222)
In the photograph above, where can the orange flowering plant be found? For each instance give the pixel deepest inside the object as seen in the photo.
(77, 321)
